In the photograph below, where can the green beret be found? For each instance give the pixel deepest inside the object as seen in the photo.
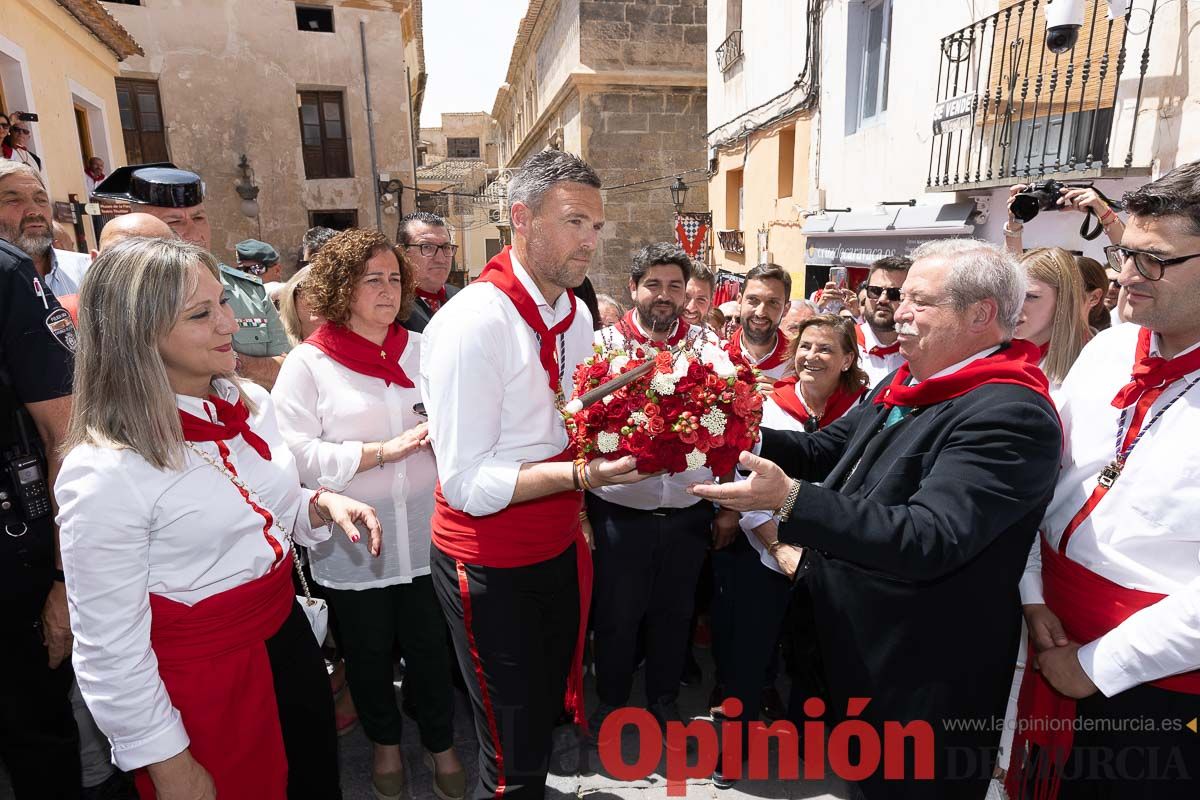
(254, 250)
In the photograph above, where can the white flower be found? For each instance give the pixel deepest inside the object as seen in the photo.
(718, 359)
(638, 418)
(714, 421)
(572, 408)
(608, 442)
(681, 366)
(617, 364)
(663, 383)
(608, 398)
(696, 459)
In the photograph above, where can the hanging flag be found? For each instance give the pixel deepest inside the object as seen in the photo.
(691, 231)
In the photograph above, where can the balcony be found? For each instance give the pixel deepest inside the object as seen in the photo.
(732, 242)
(1008, 110)
(730, 51)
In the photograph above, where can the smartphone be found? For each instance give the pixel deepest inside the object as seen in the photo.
(839, 277)
(26, 116)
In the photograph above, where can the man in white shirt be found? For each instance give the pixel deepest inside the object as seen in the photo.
(764, 298)
(1112, 589)
(510, 563)
(650, 537)
(25, 215)
(878, 348)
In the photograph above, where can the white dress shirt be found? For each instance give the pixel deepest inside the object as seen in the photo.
(774, 373)
(661, 491)
(66, 271)
(876, 367)
(129, 530)
(326, 412)
(1143, 534)
(489, 400)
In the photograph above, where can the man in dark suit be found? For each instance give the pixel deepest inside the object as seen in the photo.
(425, 239)
(930, 494)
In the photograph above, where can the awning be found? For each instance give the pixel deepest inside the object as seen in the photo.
(859, 237)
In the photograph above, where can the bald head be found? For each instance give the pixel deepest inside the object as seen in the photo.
(128, 226)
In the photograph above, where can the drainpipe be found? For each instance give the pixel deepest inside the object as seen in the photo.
(362, 37)
(412, 138)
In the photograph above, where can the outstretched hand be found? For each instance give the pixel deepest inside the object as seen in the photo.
(765, 490)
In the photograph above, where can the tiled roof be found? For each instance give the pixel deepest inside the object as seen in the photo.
(452, 169)
(104, 27)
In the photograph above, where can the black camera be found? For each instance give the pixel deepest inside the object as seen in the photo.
(25, 116)
(1038, 197)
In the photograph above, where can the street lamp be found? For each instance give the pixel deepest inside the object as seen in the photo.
(679, 191)
(247, 189)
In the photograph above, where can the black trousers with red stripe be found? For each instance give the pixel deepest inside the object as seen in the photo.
(514, 633)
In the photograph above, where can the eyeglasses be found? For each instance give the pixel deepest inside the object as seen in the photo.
(428, 250)
(1148, 265)
(15, 129)
(4, 126)
(876, 292)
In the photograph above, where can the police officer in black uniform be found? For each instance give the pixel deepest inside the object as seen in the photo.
(39, 742)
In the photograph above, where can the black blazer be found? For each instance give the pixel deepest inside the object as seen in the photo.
(916, 542)
(420, 316)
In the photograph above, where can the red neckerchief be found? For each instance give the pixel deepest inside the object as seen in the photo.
(96, 176)
(362, 355)
(776, 357)
(879, 350)
(231, 422)
(629, 329)
(1151, 371)
(787, 396)
(1017, 363)
(499, 273)
(1043, 351)
(434, 300)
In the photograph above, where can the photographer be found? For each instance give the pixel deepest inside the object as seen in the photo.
(39, 743)
(15, 146)
(1081, 199)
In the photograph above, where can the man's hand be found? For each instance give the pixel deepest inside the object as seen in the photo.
(765, 490)
(725, 528)
(850, 300)
(589, 535)
(56, 624)
(1045, 627)
(1061, 667)
(1083, 200)
(788, 556)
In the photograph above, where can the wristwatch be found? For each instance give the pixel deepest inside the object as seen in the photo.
(785, 510)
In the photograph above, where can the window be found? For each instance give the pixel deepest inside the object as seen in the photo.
(733, 199)
(84, 129)
(314, 18)
(787, 161)
(869, 61)
(337, 220)
(141, 121)
(462, 148)
(323, 136)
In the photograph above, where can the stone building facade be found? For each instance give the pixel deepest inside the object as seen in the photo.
(285, 85)
(622, 84)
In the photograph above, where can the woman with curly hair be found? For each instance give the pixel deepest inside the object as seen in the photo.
(351, 413)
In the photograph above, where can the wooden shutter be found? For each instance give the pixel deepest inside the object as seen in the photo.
(142, 121)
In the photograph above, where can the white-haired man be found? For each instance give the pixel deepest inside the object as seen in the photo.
(917, 510)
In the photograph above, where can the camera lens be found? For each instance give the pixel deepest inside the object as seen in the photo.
(1025, 206)
(1062, 38)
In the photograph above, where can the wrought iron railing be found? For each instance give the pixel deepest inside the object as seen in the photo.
(730, 51)
(1008, 109)
(732, 241)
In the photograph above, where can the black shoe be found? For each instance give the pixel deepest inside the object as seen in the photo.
(771, 704)
(596, 720)
(716, 698)
(692, 674)
(721, 781)
(668, 711)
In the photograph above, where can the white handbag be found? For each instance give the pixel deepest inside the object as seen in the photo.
(314, 608)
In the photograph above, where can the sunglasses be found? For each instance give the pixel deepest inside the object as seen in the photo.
(428, 250)
(876, 292)
(15, 129)
(4, 126)
(1148, 265)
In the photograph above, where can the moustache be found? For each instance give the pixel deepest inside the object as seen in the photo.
(907, 329)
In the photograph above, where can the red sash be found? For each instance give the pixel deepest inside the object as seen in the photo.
(1089, 606)
(787, 397)
(776, 356)
(880, 350)
(629, 329)
(520, 535)
(212, 657)
(361, 354)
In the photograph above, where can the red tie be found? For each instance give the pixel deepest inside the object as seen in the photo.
(232, 422)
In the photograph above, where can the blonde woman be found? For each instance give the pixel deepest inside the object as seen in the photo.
(295, 311)
(1054, 315)
(178, 505)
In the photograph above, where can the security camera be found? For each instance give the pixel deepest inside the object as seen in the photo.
(1064, 18)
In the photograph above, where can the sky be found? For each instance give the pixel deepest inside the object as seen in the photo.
(467, 45)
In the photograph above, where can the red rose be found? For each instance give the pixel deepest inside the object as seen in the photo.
(650, 410)
(656, 425)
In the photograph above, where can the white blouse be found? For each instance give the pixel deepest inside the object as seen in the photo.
(326, 412)
(129, 530)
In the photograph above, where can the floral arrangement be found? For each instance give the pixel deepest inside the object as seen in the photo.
(685, 409)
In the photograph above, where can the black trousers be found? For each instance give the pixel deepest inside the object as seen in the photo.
(1113, 756)
(514, 632)
(750, 605)
(39, 742)
(372, 621)
(647, 567)
(305, 710)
